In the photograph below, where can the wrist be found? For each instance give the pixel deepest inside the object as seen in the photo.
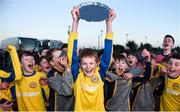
(67, 68)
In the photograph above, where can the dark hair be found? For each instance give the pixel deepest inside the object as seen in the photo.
(40, 59)
(131, 53)
(25, 53)
(119, 57)
(49, 55)
(64, 46)
(44, 48)
(170, 36)
(117, 49)
(88, 52)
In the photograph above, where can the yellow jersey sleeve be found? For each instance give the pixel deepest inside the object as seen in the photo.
(15, 61)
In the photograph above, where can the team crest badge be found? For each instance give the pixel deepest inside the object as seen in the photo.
(175, 86)
(18, 83)
(94, 79)
(33, 85)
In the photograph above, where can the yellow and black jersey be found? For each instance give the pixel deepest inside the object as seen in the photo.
(170, 99)
(29, 93)
(88, 91)
(15, 62)
(27, 90)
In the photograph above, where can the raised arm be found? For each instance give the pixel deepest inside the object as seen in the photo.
(15, 61)
(106, 58)
(75, 17)
(72, 43)
(109, 21)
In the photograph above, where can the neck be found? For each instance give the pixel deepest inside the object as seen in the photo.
(28, 73)
(167, 52)
(173, 77)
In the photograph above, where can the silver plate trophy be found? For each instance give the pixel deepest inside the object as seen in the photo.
(93, 11)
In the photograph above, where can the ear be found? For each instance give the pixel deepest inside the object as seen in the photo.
(21, 65)
(97, 62)
(51, 63)
(39, 68)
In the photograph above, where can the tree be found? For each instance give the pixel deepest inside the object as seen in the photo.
(145, 46)
(132, 46)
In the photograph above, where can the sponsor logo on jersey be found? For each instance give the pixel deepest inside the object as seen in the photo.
(175, 86)
(33, 85)
(171, 91)
(28, 93)
(89, 88)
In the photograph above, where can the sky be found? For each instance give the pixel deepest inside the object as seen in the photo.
(146, 21)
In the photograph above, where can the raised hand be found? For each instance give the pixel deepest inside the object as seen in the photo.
(63, 62)
(112, 15)
(109, 21)
(75, 16)
(75, 13)
(146, 54)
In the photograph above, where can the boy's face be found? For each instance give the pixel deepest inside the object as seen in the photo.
(120, 66)
(45, 66)
(132, 60)
(174, 67)
(27, 64)
(167, 43)
(55, 60)
(88, 65)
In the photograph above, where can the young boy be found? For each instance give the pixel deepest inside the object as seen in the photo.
(43, 65)
(161, 60)
(28, 90)
(170, 99)
(168, 44)
(88, 72)
(135, 64)
(60, 81)
(142, 87)
(118, 87)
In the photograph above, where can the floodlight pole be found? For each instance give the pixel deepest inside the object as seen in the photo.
(127, 37)
(101, 38)
(69, 29)
(146, 38)
(98, 42)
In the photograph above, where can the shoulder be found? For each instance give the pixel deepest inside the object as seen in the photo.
(40, 74)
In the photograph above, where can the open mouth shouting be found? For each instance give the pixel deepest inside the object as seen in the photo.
(30, 67)
(88, 72)
(119, 71)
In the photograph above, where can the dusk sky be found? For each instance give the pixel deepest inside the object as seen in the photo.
(143, 20)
